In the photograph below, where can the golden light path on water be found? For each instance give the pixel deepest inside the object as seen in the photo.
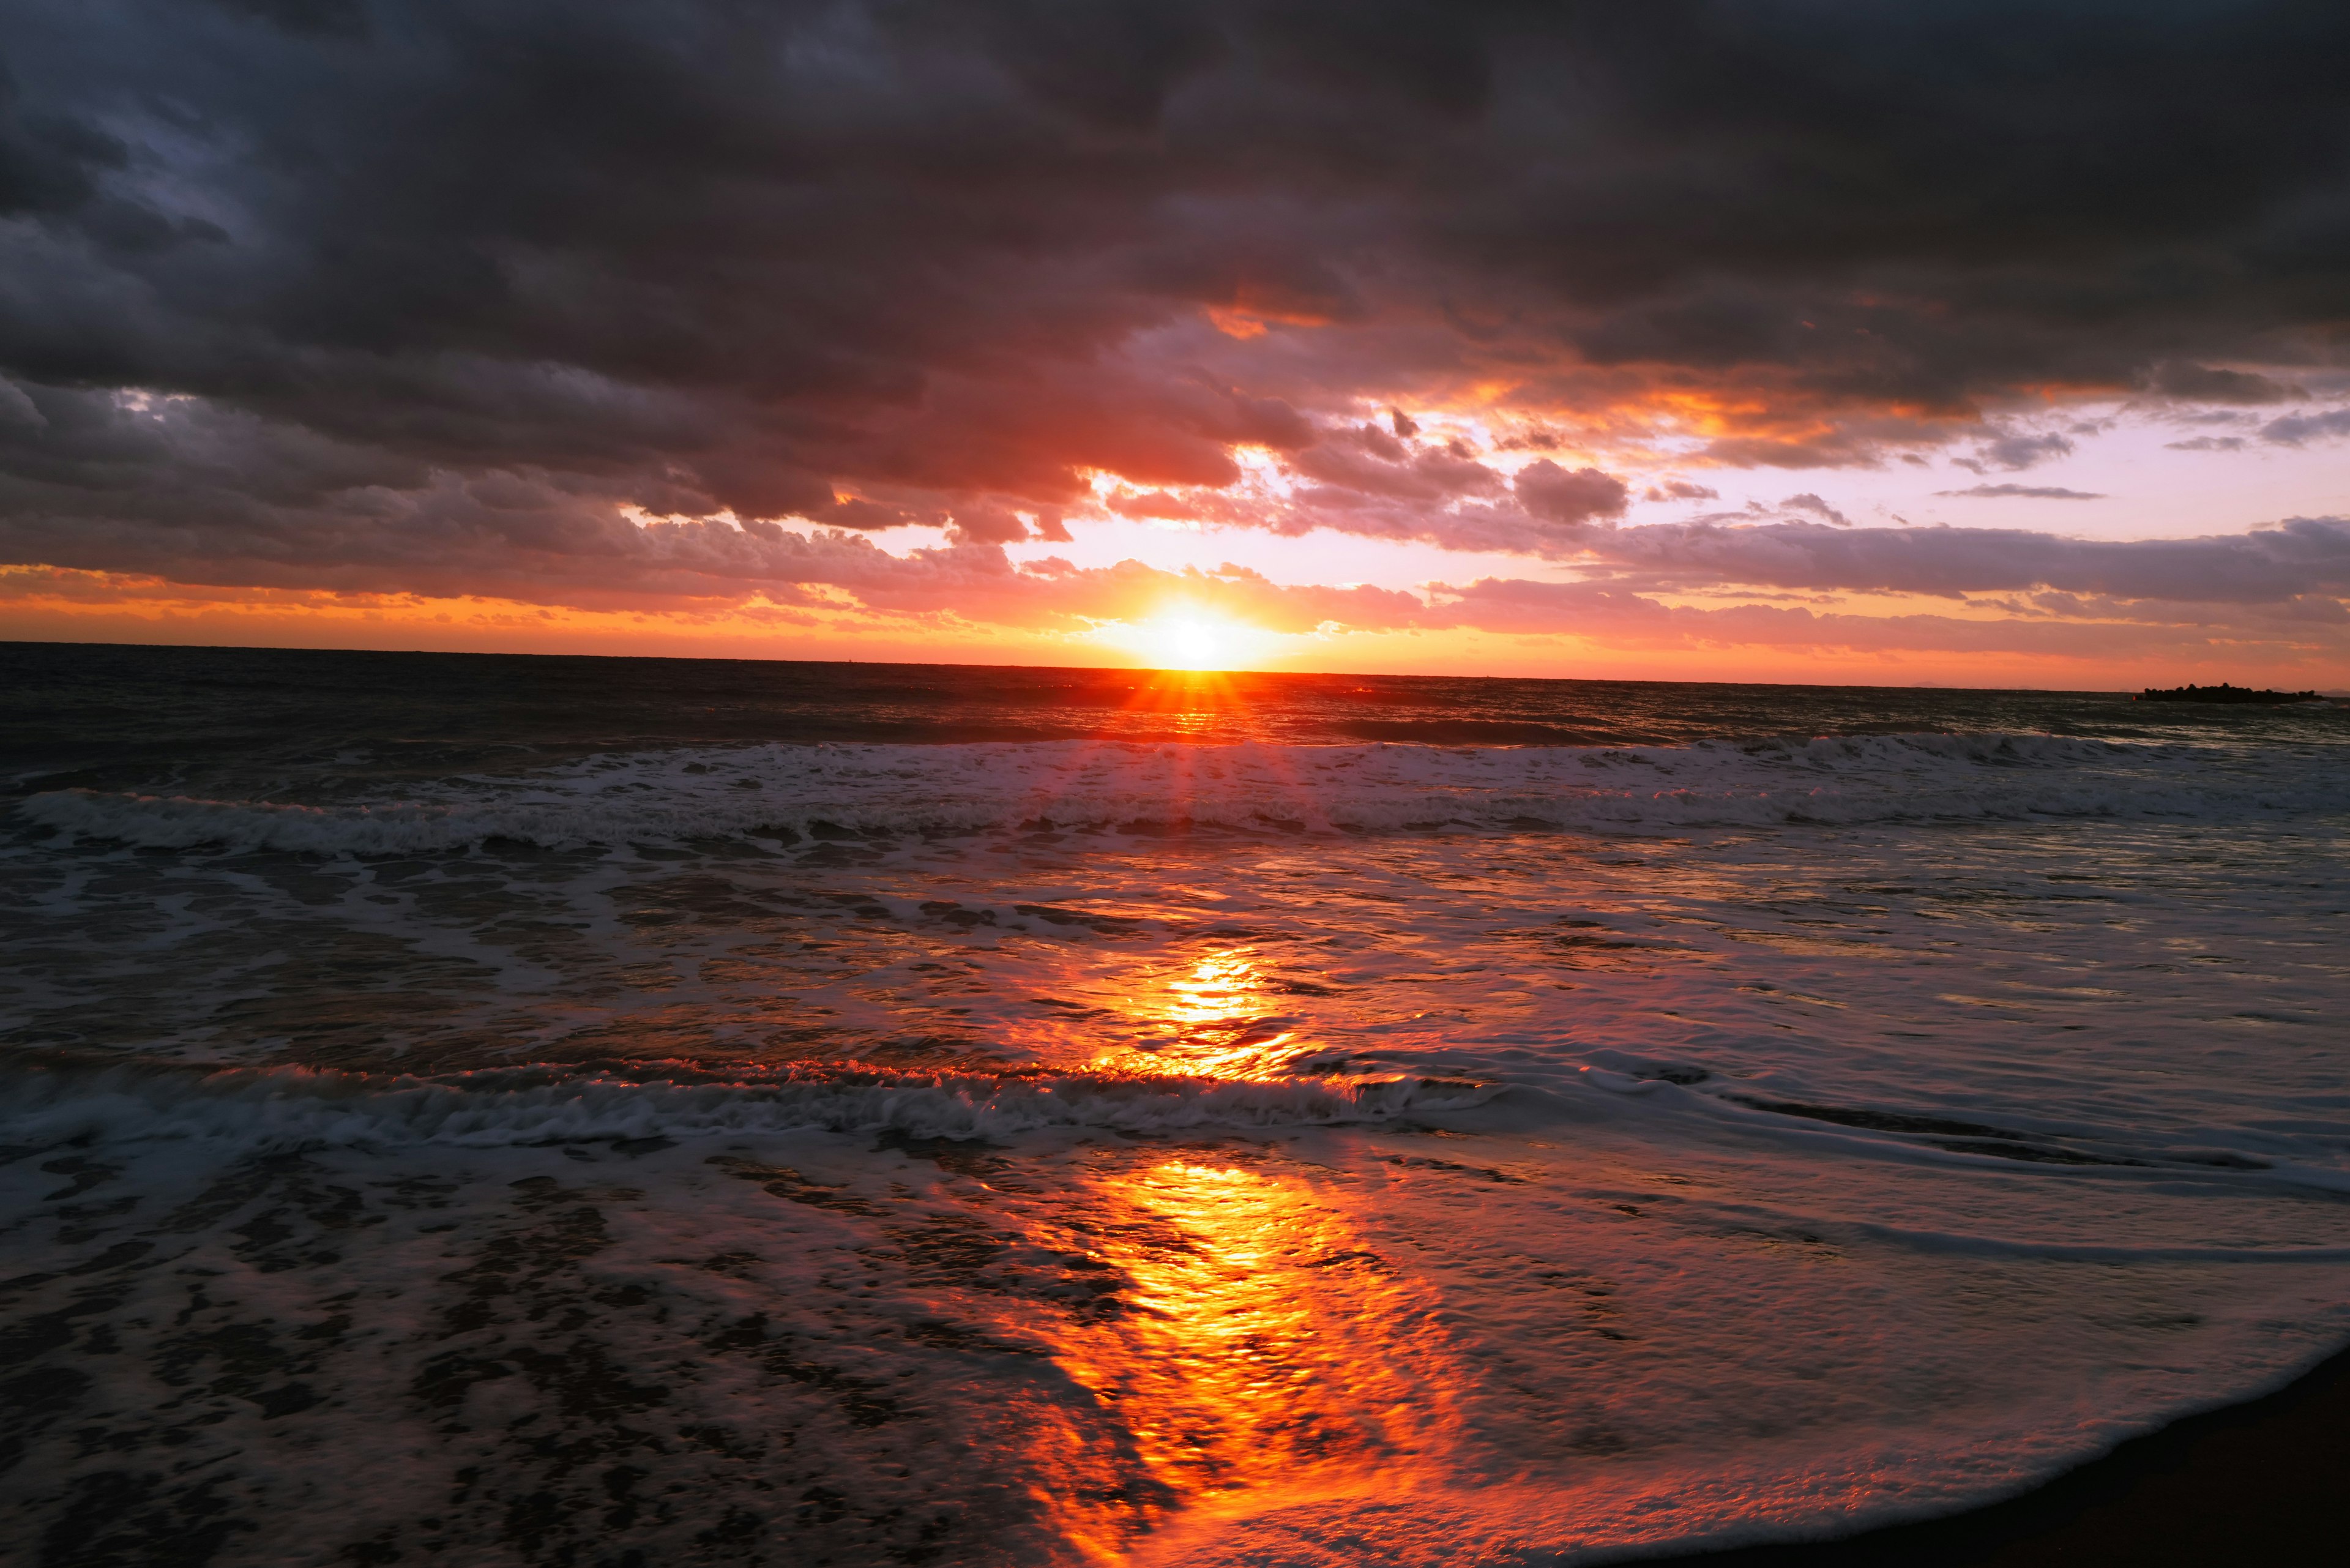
(1266, 1358)
(1265, 1354)
(1217, 1018)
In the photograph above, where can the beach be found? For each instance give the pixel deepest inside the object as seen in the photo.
(2254, 1481)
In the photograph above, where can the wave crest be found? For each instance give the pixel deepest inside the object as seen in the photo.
(284, 1110)
(791, 791)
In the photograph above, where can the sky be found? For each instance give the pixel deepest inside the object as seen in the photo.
(1962, 343)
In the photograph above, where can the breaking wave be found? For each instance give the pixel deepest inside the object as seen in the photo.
(793, 790)
(289, 1109)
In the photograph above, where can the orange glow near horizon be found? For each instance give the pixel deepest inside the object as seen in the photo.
(66, 605)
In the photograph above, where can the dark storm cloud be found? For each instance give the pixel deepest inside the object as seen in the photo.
(413, 268)
(2207, 384)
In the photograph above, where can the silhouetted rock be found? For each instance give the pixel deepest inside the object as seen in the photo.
(2223, 692)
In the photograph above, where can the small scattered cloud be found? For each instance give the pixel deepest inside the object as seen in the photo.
(1680, 490)
(988, 522)
(1817, 508)
(2206, 444)
(2025, 492)
(1364, 461)
(1584, 495)
(2295, 429)
(2016, 450)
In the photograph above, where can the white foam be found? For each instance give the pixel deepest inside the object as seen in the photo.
(272, 1110)
(672, 796)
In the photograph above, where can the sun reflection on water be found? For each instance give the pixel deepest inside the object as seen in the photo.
(1220, 1018)
(1262, 1353)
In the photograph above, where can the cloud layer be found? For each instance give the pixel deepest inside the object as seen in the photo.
(578, 301)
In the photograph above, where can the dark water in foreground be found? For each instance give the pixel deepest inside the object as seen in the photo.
(625, 1112)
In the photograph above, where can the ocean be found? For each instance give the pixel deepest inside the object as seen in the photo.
(625, 1113)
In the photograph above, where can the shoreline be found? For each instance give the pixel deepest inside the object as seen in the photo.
(2261, 1481)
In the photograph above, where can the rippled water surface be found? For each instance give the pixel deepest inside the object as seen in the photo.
(656, 1112)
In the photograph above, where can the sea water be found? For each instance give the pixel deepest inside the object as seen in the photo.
(623, 1112)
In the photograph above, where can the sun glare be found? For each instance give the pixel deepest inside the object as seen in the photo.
(1193, 642)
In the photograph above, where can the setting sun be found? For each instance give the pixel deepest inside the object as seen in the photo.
(1194, 642)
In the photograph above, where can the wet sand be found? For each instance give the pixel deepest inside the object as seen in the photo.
(2262, 1483)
